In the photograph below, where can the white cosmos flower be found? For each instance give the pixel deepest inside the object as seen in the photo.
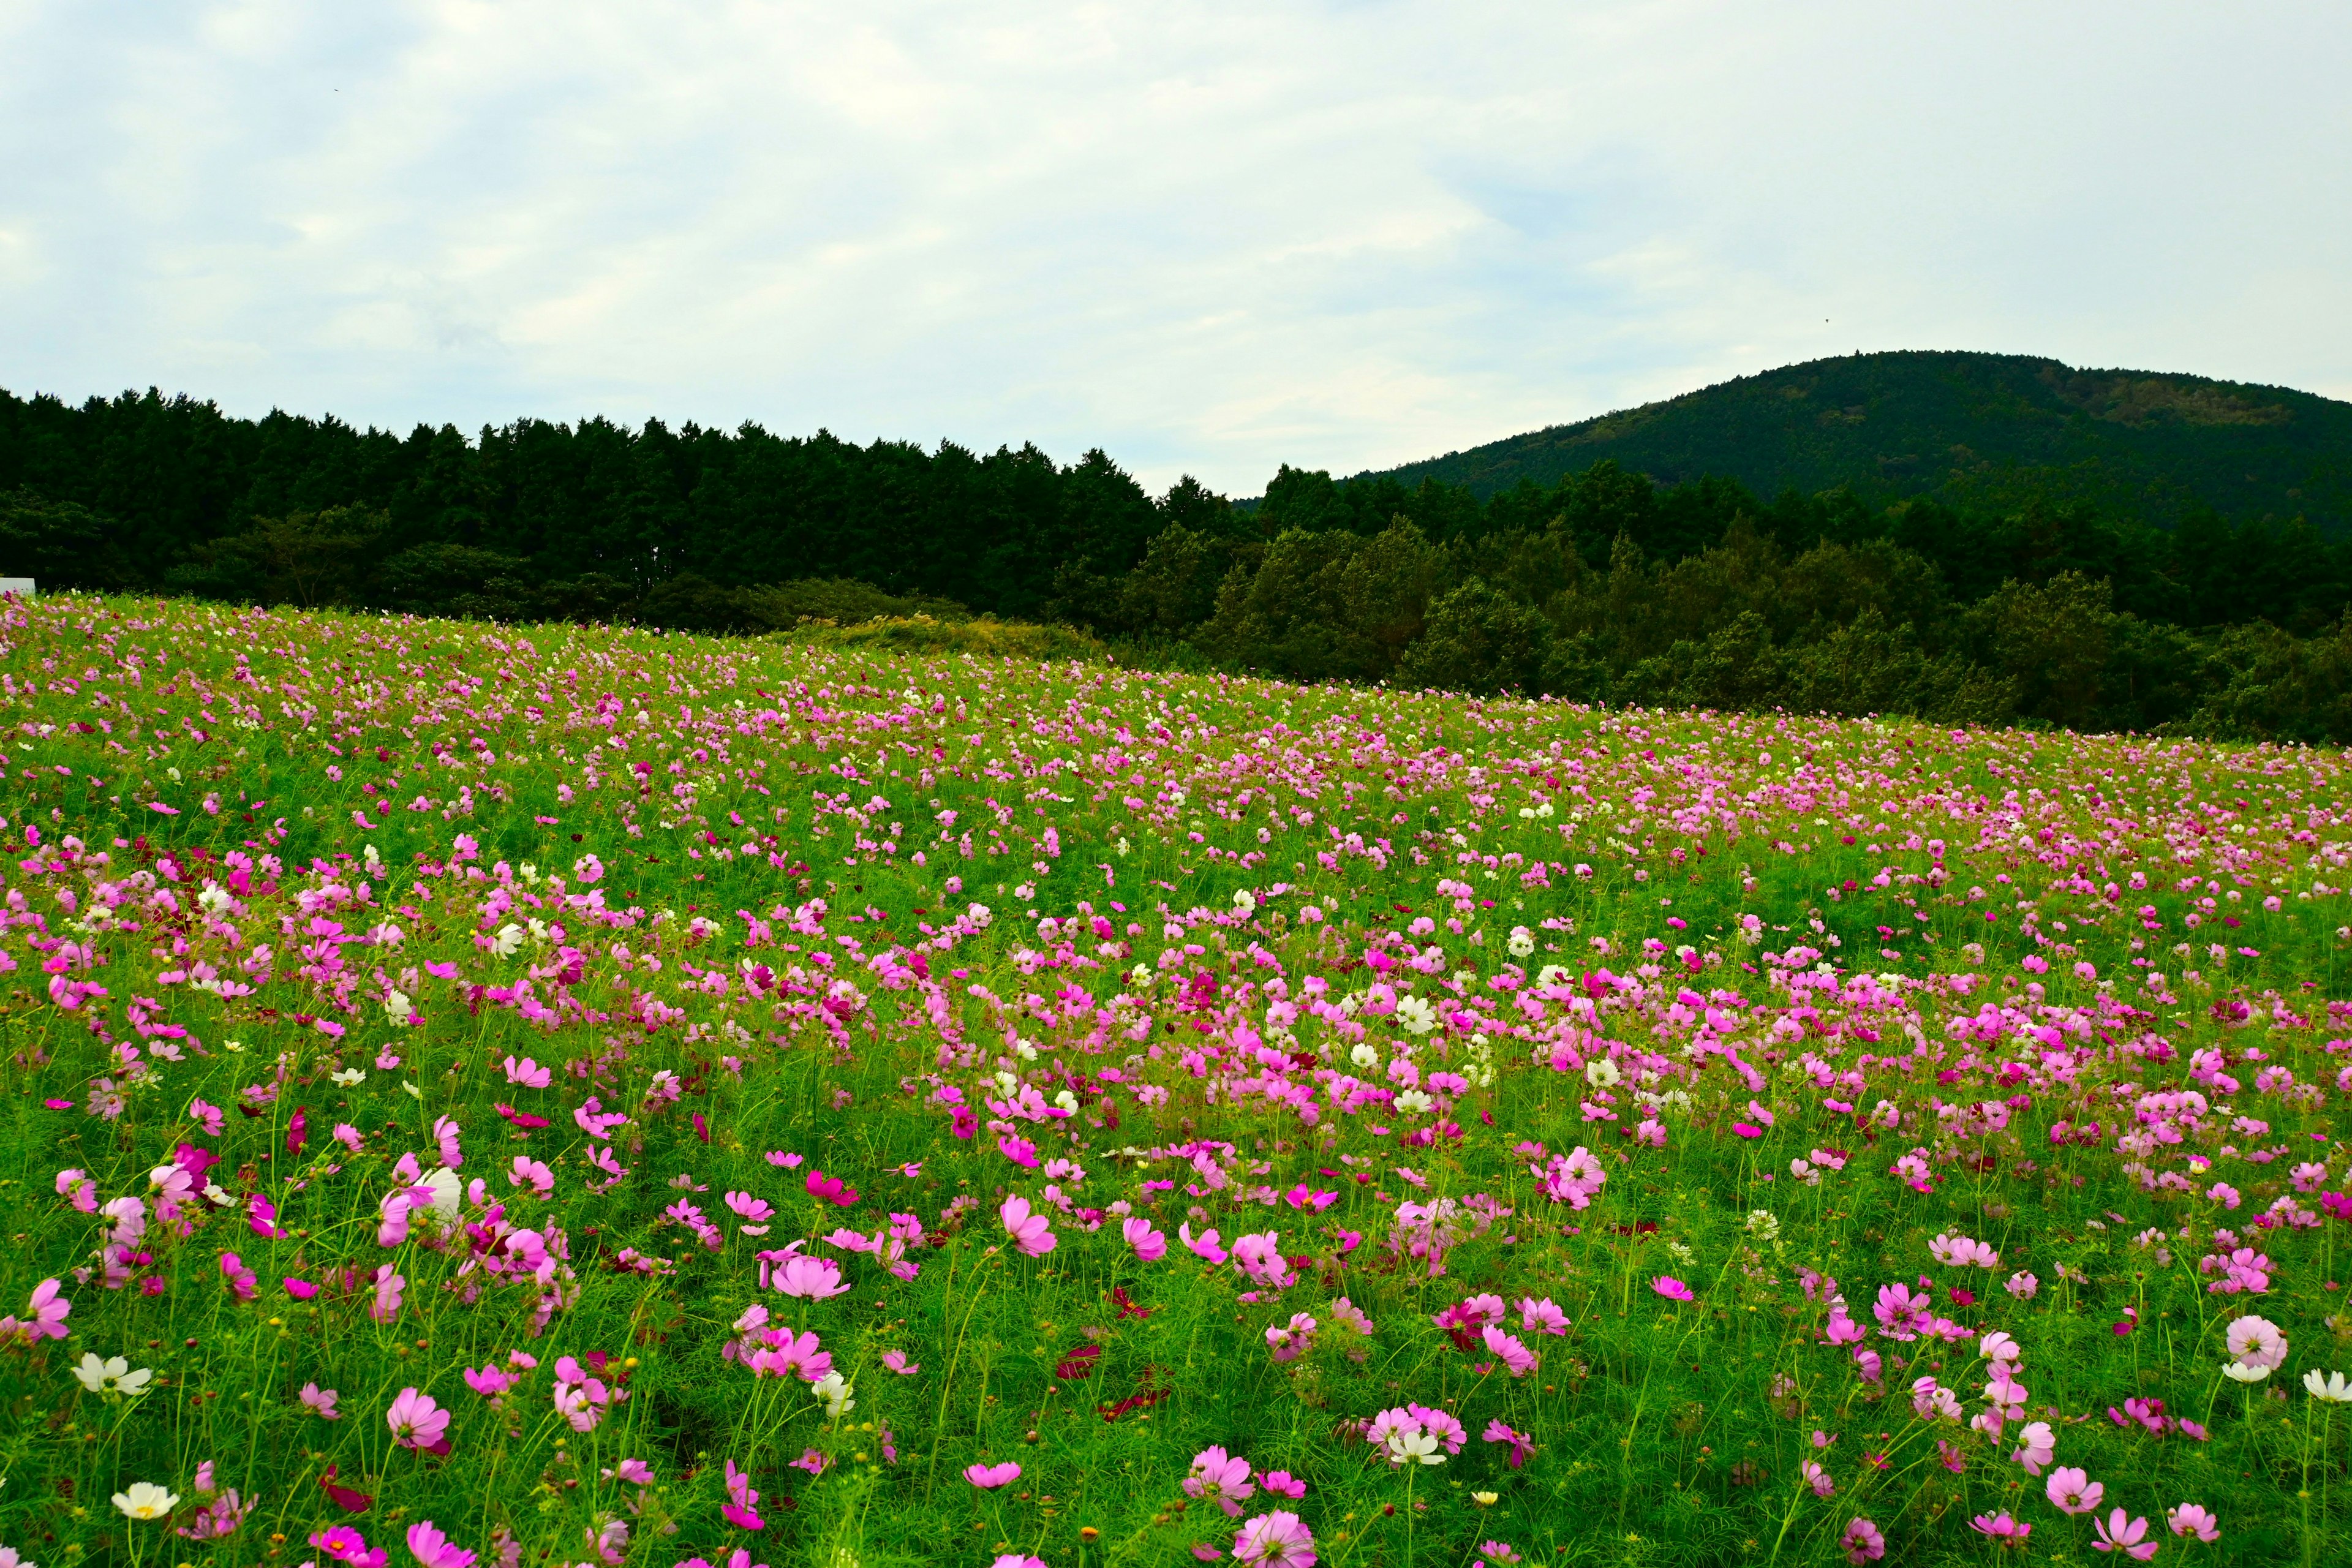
(2331, 1388)
(146, 1500)
(834, 1390)
(2241, 1373)
(111, 1376)
(348, 1076)
(447, 1192)
(1414, 1446)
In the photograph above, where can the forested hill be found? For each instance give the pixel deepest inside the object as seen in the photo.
(2098, 580)
(1976, 430)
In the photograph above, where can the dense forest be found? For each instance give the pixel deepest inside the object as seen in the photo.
(1601, 584)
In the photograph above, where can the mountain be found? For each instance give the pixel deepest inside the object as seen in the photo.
(1971, 429)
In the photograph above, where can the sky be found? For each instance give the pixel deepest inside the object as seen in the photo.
(1206, 239)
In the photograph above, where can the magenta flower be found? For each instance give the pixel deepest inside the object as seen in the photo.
(742, 1500)
(1031, 1236)
(433, 1549)
(417, 1423)
(1277, 1539)
(2120, 1533)
(831, 1189)
(1672, 1288)
(1203, 1247)
(1017, 1560)
(237, 1277)
(1862, 1542)
(988, 1478)
(1282, 1483)
(1521, 1444)
(342, 1544)
(1220, 1478)
(2000, 1529)
(897, 1361)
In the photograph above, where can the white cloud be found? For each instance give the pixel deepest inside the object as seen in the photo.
(1206, 237)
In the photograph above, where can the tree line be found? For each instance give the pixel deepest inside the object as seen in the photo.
(1601, 586)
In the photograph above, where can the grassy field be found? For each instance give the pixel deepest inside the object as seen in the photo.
(536, 1096)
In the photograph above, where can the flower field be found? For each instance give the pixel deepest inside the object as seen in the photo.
(544, 1095)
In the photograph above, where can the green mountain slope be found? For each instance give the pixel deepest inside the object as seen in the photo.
(1975, 430)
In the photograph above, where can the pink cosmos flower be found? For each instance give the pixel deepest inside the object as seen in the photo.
(1510, 1350)
(237, 1277)
(988, 1478)
(322, 1402)
(1862, 1542)
(1150, 1245)
(417, 1422)
(1204, 1246)
(813, 1279)
(47, 1312)
(2038, 1445)
(2119, 1532)
(2256, 1342)
(1031, 1236)
(433, 1549)
(1902, 1315)
(2002, 1530)
(2071, 1492)
(1260, 1257)
(1521, 1444)
(527, 1073)
(342, 1544)
(1542, 1315)
(798, 1356)
(1672, 1288)
(1017, 1560)
(1282, 1483)
(897, 1361)
(490, 1380)
(1277, 1539)
(831, 1189)
(742, 1500)
(1290, 1341)
(2193, 1519)
(1220, 1478)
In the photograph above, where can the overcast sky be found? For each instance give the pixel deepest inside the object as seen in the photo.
(1207, 239)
